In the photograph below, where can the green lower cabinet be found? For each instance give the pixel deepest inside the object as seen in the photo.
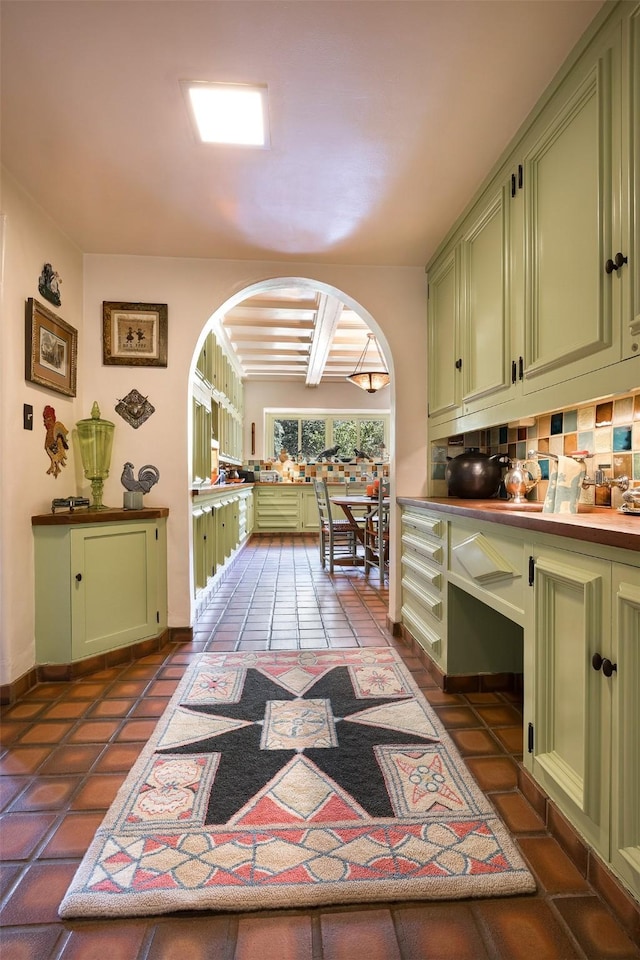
(98, 587)
(584, 732)
(277, 509)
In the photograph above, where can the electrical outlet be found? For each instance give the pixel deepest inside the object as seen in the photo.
(27, 416)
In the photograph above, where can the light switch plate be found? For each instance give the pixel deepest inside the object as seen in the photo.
(27, 416)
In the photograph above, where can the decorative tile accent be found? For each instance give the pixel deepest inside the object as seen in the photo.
(544, 426)
(586, 417)
(586, 440)
(604, 414)
(604, 439)
(621, 439)
(623, 410)
(570, 443)
(556, 423)
(570, 421)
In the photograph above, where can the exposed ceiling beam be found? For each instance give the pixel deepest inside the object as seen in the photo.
(329, 313)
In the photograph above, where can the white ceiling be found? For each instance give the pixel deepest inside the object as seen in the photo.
(385, 117)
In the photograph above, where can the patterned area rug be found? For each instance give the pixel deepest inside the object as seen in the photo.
(289, 779)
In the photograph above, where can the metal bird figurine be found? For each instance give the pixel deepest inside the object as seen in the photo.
(147, 477)
(327, 454)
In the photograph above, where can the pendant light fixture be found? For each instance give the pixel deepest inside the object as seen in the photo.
(372, 375)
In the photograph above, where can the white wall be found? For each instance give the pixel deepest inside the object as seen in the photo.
(194, 290)
(31, 239)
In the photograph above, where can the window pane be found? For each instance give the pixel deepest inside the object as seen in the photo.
(345, 435)
(314, 438)
(372, 437)
(285, 434)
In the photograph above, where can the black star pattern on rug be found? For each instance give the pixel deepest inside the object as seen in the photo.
(245, 768)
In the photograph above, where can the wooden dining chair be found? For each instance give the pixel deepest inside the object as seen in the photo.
(376, 535)
(338, 538)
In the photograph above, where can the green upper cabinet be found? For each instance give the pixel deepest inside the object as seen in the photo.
(484, 303)
(573, 196)
(444, 362)
(536, 288)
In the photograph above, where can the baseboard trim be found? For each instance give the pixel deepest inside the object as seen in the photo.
(59, 672)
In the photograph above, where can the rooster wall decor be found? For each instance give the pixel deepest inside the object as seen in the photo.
(148, 476)
(55, 441)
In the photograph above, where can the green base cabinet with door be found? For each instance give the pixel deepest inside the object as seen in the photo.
(100, 581)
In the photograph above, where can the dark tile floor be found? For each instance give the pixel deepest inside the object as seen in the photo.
(67, 747)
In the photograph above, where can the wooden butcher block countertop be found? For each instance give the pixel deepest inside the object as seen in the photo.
(604, 525)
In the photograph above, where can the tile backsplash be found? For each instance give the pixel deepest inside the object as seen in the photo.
(608, 431)
(359, 470)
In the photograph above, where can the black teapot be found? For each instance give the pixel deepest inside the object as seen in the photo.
(474, 475)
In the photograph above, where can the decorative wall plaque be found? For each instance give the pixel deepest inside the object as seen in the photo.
(134, 408)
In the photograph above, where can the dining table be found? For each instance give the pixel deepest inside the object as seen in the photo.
(355, 509)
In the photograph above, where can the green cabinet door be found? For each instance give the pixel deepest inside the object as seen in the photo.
(572, 700)
(572, 196)
(625, 753)
(113, 586)
(444, 358)
(485, 296)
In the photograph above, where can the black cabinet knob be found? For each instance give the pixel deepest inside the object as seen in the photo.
(618, 261)
(78, 577)
(598, 662)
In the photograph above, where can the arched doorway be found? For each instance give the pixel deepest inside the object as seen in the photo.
(273, 391)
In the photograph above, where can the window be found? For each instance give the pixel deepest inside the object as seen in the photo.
(308, 435)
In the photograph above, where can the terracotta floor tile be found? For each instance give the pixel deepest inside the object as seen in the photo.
(84, 690)
(458, 717)
(474, 742)
(30, 943)
(21, 711)
(77, 758)
(210, 938)
(22, 760)
(368, 934)
(118, 757)
(500, 716)
(493, 773)
(120, 940)
(517, 813)
(595, 929)
(8, 874)
(94, 731)
(12, 730)
(73, 836)
(162, 688)
(274, 938)
(136, 730)
(21, 833)
(10, 787)
(67, 710)
(552, 866)
(111, 708)
(46, 733)
(439, 932)
(47, 793)
(150, 707)
(525, 930)
(37, 897)
(510, 738)
(98, 791)
(127, 688)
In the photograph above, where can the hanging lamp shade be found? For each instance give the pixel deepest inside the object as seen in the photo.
(370, 374)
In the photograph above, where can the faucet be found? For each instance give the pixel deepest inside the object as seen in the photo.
(599, 480)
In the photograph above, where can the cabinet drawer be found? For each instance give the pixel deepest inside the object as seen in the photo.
(422, 627)
(419, 524)
(415, 566)
(425, 549)
(414, 592)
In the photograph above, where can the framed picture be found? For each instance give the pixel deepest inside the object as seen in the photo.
(134, 334)
(51, 349)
